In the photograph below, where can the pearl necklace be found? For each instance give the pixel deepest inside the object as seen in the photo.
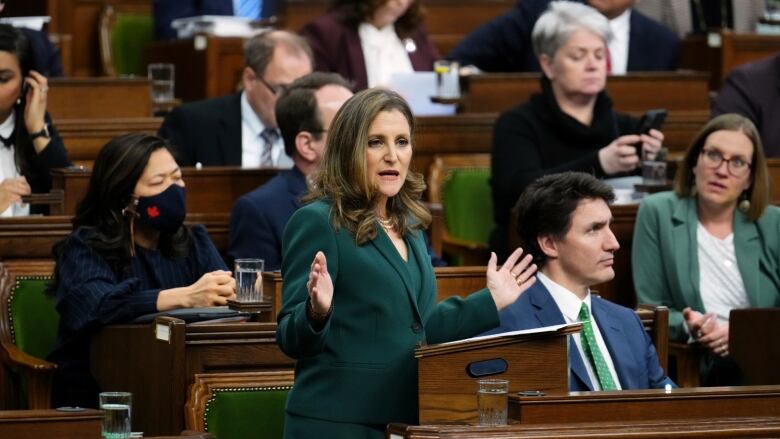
(386, 223)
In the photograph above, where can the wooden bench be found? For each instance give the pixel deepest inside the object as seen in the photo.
(99, 98)
(84, 138)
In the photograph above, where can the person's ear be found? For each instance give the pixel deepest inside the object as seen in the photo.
(547, 66)
(248, 78)
(303, 144)
(547, 245)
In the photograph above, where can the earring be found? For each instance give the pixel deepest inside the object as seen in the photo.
(18, 101)
(744, 202)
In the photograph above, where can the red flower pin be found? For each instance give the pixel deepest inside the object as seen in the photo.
(152, 211)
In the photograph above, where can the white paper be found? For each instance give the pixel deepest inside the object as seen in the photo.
(543, 329)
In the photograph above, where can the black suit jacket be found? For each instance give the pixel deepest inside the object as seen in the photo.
(207, 131)
(504, 43)
(46, 57)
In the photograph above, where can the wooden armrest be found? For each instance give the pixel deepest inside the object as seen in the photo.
(17, 359)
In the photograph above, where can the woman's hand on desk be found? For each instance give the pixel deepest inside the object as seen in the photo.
(512, 279)
(320, 286)
(212, 289)
(12, 190)
(705, 329)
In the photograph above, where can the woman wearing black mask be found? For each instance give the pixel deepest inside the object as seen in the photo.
(129, 255)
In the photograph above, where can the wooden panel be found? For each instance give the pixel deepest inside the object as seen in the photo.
(762, 427)
(84, 138)
(99, 98)
(50, 424)
(647, 405)
(635, 92)
(757, 357)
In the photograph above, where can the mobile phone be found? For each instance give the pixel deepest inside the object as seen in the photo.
(652, 119)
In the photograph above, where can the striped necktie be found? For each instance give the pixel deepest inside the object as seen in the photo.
(593, 352)
(269, 137)
(248, 8)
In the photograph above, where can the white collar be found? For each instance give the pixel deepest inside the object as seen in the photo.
(568, 302)
(7, 127)
(622, 23)
(249, 116)
(377, 37)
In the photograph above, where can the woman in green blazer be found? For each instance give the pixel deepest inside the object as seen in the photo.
(714, 243)
(359, 291)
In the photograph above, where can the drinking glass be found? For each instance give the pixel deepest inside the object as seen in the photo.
(492, 401)
(118, 411)
(249, 280)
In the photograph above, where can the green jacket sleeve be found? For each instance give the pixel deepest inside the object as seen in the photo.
(650, 280)
(307, 232)
(457, 318)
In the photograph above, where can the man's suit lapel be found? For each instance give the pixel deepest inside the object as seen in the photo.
(685, 220)
(548, 314)
(617, 343)
(230, 133)
(385, 246)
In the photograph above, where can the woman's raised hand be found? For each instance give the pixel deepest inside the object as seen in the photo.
(320, 285)
(507, 283)
(35, 109)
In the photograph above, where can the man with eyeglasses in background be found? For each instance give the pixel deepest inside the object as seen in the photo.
(240, 129)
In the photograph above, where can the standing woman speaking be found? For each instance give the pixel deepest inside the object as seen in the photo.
(359, 290)
(29, 145)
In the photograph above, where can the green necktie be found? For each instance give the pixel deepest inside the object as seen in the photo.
(593, 352)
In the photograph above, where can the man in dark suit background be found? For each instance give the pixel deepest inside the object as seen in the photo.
(564, 223)
(504, 43)
(240, 129)
(304, 113)
(165, 11)
(45, 56)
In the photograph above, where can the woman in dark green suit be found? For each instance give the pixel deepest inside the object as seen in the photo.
(359, 291)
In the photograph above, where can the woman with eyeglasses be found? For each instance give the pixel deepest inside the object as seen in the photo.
(713, 244)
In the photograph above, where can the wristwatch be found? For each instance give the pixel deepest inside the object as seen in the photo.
(42, 133)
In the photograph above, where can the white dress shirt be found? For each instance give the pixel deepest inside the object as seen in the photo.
(569, 305)
(252, 144)
(720, 283)
(618, 47)
(384, 53)
(8, 166)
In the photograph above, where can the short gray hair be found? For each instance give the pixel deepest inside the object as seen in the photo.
(259, 49)
(561, 20)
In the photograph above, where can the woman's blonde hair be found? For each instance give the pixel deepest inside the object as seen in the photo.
(758, 192)
(343, 180)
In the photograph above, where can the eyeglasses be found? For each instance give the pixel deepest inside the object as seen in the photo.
(737, 166)
(276, 90)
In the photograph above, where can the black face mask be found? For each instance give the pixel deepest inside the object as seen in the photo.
(165, 211)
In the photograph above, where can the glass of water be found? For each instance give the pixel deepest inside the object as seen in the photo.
(249, 280)
(118, 410)
(492, 402)
(162, 76)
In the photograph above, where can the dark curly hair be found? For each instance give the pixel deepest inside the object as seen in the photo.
(354, 12)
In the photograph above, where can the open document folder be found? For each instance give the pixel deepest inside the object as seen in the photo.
(511, 335)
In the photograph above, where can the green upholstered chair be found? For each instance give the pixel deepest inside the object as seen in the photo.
(28, 329)
(460, 183)
(239, 405)
(123, 36)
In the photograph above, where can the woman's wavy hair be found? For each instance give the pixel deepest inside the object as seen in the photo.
(14, 42)
(107, 205)
(354, 12)
(759, 190)
(343, 179)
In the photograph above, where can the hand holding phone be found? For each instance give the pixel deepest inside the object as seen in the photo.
(651, 120)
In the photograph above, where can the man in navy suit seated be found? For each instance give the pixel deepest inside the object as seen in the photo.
(564, 223)
(303, 113)
(503, 44)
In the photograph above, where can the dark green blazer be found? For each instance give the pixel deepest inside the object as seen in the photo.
(360, 368)
(665, 263)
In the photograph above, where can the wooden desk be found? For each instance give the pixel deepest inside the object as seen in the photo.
(648, 405)
(763, 427)
(99, 98)
(757, 356)
(634, 92)
(84, 138)
(50, 424)
(734, 50)
(157, 363)
(209, 190)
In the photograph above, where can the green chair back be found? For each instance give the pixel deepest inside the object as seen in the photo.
(34, 318)
(128, 37)
(468, 204)
(252, 412)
